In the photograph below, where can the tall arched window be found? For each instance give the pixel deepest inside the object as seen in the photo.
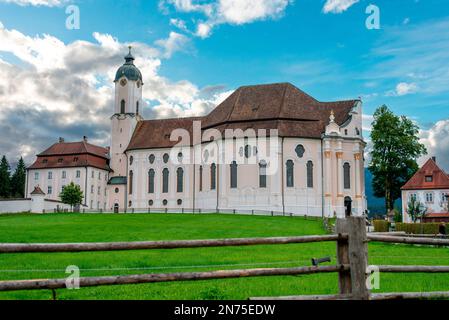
(131, 176)
(201, 178)
(165, 173)
(137, 107)
(309, 174)
(262, 174)
(122, 106)
(347, 175)
(213, 176)
(290, 174)
(151, 175)
(179, 180)
(233, 175)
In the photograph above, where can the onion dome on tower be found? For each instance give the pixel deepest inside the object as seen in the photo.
(128, 69)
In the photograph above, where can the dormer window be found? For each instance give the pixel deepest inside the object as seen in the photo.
(429, 178)
(45, 161)
(60, 160)
(75, 159)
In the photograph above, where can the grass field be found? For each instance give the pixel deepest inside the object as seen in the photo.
(104, 228)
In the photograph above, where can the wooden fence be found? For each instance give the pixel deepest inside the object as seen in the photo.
(352, 262)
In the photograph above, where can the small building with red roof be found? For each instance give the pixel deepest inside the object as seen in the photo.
(81, 162)
(430, 186)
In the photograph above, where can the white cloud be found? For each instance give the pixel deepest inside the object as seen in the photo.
(203, 30)
(247, 11)
(436, 139)
(338, 6)
(404, 88)
(175, 42)
(47, 3)
(235, 12)
(67, 90)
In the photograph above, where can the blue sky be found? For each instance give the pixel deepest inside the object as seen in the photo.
(321, 46)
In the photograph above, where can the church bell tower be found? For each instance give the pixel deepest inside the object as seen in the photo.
(127, 108)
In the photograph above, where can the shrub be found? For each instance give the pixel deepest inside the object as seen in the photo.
(381, 226)
(418, 228)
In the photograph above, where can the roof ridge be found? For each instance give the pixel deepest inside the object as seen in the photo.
(283, 100)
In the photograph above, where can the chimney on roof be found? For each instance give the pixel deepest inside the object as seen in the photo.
(434, 159)
(85, 139)
(61, 140)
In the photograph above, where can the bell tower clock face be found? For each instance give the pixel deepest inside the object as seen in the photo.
(123, 82)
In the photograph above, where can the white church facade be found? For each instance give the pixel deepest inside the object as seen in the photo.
(266, 147)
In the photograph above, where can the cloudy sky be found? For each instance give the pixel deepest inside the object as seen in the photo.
(57, 81)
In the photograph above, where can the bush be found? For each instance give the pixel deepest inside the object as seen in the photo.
(418, 228)
(381, 226)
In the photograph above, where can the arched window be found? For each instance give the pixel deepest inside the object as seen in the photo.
(151, 175)
(131, 160)
(262, 174)
(201, 178)
(213, 176)
(347, 175)
(234, 175)
(180, 180)
(131, 176)
(290, 174)
(122, 106)
(309, 174)
(165, 180)
(137, 107)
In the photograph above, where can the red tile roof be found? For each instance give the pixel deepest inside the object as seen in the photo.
(37, 190)
(440, 180)
(72, 154)
(72, 148)
(279, 106)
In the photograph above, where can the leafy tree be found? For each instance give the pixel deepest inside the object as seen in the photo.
(415, 209)
(396, 147)
(72, 195)
(5, 178)
(18, 180)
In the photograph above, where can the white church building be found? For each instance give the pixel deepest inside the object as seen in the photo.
(268, 147)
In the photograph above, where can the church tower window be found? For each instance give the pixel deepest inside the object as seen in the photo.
(290, 174)
(180, 180)
(347, 175)
(233, 175)
(309, 174)
(262, 174)
(213, 176)
(165, 173)
(151, 175)
(122, 106)
(131, 176)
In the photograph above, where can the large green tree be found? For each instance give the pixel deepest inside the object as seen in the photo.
(18, 180)
(5, 178)
(72, 195)
(394, 152)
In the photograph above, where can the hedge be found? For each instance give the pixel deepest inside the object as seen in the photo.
(418, 228)
(381, 226)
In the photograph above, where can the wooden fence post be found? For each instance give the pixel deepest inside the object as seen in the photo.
(355, 252)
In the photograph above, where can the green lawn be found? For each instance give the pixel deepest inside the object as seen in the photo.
(104, 228)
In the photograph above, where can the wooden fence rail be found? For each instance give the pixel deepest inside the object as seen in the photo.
(408, 240)
(168, 277)
(146, 245)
